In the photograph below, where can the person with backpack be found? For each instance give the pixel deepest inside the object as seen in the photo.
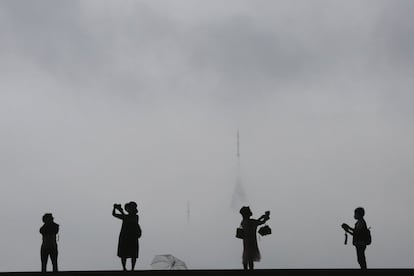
(49, 248)
(361, 236)
(128, 246)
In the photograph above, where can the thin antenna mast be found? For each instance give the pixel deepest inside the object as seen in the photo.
(188, 211)
(238, 145)
(239, 196)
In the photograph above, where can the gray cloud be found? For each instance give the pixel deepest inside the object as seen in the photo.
(104, 102)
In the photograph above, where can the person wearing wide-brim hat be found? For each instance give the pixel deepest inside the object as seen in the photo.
(251, 251)
(128, 246)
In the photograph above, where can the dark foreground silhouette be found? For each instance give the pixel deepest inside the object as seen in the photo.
(128, 246)
(361, 236)
(49, 248)
(248, 232)
(257, 272)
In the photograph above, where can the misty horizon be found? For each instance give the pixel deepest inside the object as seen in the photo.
(105, 102)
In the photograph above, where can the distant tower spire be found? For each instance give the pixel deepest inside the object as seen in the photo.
(239, 195)
(238, 145)
(188, 211)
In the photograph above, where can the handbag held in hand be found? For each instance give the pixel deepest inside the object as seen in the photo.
(265, 230)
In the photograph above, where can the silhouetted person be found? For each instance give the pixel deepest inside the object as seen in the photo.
(49, 231)
(128, 246)
(359, 235)
(251, 251)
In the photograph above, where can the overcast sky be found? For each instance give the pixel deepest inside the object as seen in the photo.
(105, 102)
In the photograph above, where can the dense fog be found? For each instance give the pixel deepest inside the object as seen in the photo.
(105, 102)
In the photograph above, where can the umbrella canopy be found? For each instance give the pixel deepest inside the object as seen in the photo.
(167, 262)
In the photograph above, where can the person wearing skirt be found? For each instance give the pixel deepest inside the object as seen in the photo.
(128, 246)
(251, 251)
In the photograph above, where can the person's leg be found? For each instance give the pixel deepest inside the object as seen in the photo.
(53, 257)
(361, 256)
(123, 261)
(251, 265)
(133, 262)
(43, 259)
(244, 266)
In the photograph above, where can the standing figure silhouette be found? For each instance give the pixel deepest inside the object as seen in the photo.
(128, 246)
(360, 236)
(251, 251)
(49, 231)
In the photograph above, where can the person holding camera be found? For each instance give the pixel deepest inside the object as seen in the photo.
(361, 236)
(128, 246)
(49, 248)
(249, 226)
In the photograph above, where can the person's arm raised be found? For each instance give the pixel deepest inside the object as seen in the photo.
(121, 215)
(264, 218)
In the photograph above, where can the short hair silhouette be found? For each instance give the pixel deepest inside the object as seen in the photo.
(246, 212)
(49, 248)
(48, 217)
(360, 211)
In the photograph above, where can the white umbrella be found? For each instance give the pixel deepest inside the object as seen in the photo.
(167, 262)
